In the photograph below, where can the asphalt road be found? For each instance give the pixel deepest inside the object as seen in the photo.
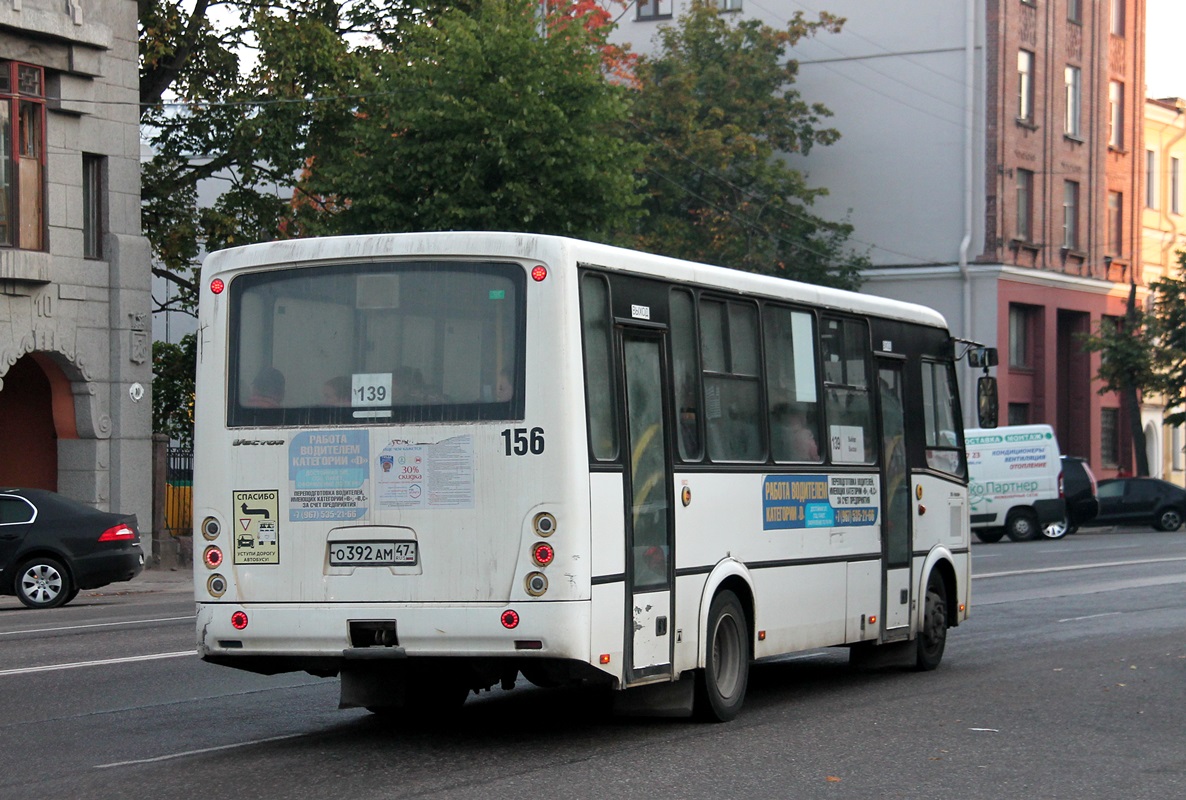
(1068, 682)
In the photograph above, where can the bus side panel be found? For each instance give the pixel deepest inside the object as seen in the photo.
(864, 599)
(800, 607)
(607, 524)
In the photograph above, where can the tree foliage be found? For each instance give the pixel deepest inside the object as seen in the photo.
(173, 368)
(716, 108)
(480, 123)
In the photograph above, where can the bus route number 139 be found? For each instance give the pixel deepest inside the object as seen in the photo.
(521, 441)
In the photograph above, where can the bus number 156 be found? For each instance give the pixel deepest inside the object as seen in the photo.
(522, 441)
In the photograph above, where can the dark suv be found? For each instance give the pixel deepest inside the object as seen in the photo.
(1076, 485)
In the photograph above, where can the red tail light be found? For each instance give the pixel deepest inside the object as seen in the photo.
(239, 620)
(119, 533)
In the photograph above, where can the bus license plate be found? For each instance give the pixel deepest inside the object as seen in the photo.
(372, 554)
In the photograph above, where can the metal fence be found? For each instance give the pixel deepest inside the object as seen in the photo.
(179, 500)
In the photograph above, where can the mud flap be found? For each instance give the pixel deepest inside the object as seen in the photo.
(666, 699)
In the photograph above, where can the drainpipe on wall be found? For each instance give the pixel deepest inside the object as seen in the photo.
(969, 164)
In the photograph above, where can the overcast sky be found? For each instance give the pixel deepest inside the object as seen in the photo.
(1165, 48)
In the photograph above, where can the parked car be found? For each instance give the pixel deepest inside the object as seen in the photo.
(1078, 487)
(1147, 501)
(51, 547)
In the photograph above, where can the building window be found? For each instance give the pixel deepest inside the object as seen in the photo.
(1115, 224)
(1116, 115)
(1025, 205)
(654, 9)
(92, 205)
(1117, 20)
(1176, 185)
(729, 5)
(1075, 11)
(1151, 187)
(1070, 215)
(1019, 413)
(1021, 320)
(1073, 77)
(1110, 437)
(1176, 446)
(22, 156)
(1025, 85)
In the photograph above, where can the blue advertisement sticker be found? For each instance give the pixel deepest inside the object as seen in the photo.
(329, 475)
(819, 501)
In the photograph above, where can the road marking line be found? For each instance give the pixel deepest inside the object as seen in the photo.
(96, 625)
(201, 751)
(1091, 616)
(1076, 567)
(102, 662)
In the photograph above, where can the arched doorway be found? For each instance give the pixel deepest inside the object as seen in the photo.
(36, 409)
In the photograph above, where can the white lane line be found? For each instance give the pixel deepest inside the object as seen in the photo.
(1091, 616)
(100, 663)
(96, 625)
(185, 753)
(1076, 567)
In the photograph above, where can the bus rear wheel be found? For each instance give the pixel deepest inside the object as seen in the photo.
(720, 686)
(932, 639)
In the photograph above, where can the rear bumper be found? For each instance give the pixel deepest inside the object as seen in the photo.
(104, 567)
(323, 630)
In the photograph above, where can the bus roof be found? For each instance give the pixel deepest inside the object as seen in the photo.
(456, 244)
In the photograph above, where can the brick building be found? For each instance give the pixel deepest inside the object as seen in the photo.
(988, 162)
(75, 338)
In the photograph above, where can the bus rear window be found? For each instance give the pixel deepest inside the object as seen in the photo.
(373, 343)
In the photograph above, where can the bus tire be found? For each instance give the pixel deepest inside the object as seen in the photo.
(1022, 525)
(720, 686)
(932, 638)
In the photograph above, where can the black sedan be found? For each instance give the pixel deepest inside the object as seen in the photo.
(51, 547)
(1146, 501)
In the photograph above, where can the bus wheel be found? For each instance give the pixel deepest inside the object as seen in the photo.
(933, 636)
(1022, 526)
(720, 686)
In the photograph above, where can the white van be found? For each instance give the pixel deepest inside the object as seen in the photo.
(1013, 481)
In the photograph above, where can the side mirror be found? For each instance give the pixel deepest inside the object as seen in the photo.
(982, 357)
(986, 401)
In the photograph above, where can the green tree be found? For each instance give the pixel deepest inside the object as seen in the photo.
(716, 109)
(480, 123)
(173, 388)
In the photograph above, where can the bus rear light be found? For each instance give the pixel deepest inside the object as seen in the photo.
(211, 528)
(544, 524)
(543, 554)
(539, 272)
(536, 583)
(510, 619)
(217, 285)
(239, 620)
(212, 557)
(216, 585)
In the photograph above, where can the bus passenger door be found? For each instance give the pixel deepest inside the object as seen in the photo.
(896, 540)
(649, 524)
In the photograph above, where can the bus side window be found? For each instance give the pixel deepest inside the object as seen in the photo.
(685, 369)
(732, 391)
(599, 377)
(790, 385)
(852, 436)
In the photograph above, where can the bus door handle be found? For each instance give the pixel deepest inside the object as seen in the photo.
(660, 626)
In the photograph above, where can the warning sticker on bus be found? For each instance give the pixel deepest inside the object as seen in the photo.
(819, 501)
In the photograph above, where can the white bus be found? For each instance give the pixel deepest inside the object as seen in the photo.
(432, 463)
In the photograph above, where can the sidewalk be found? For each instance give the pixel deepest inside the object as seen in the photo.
(152, 579)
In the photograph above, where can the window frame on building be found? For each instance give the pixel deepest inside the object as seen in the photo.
(1073, 81)
(1070, 215)
(1115, 230)
(1021, 336)
(1116, 115)
(1075, 11)
(653, 9)
(1025, 205)
(1116, 18)
(1026, 80)
(94, 211)
(22, 156)
(1110, 437)
(1152, 184)
(729, 5)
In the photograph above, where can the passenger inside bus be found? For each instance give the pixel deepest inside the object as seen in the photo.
(267, 390)
(792, 438)
(336, 391)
